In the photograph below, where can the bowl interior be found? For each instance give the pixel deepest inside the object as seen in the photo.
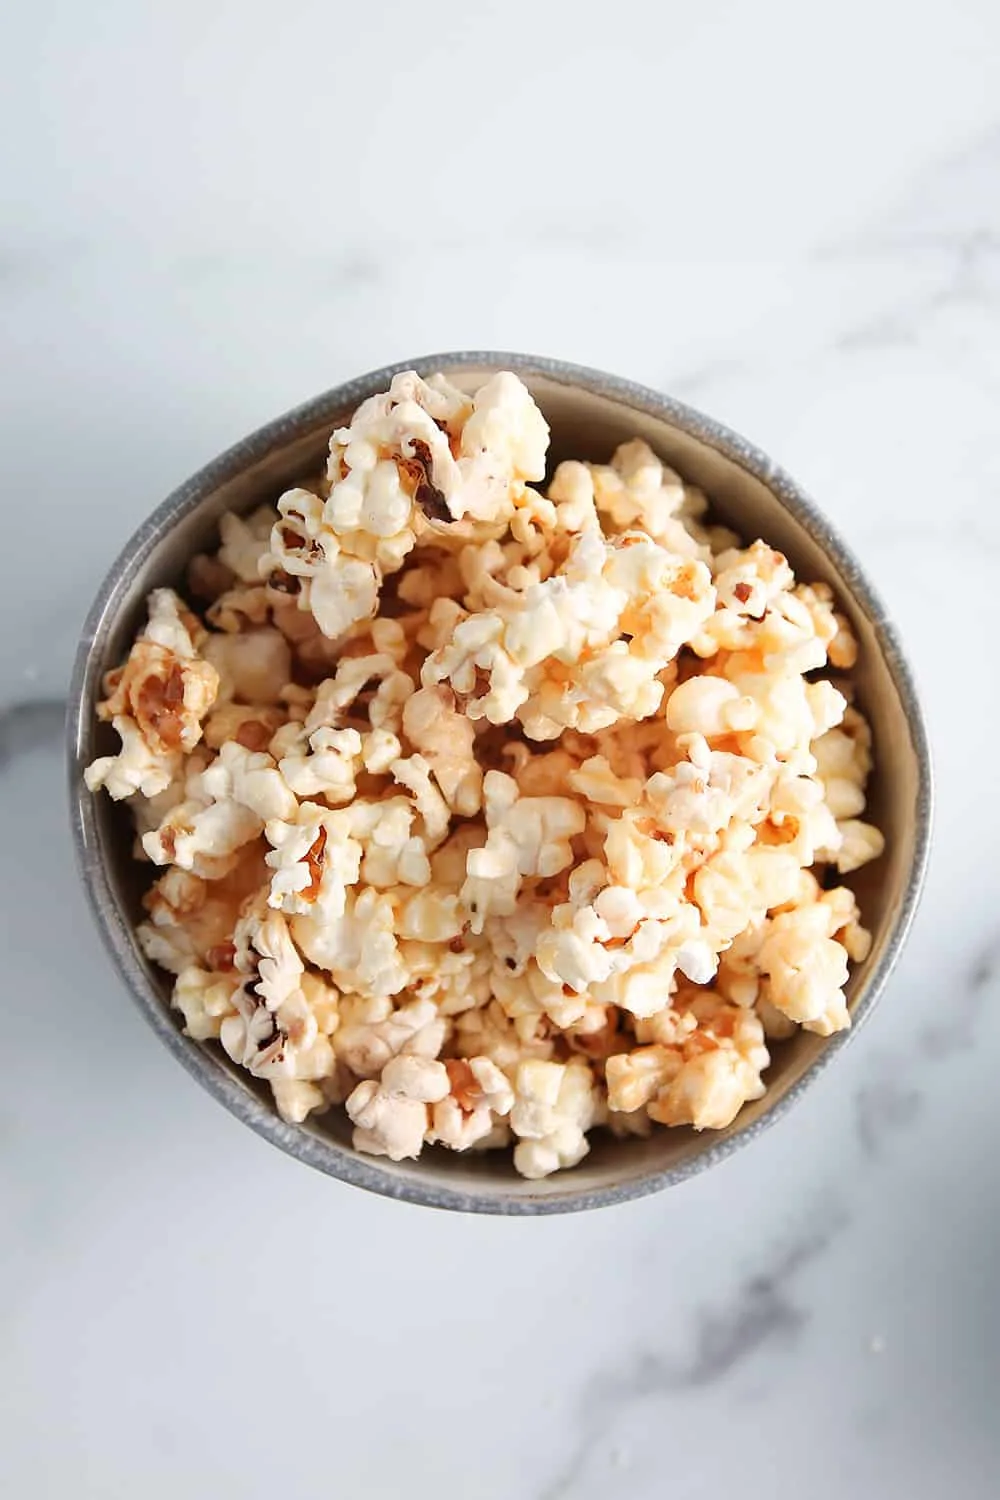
(587, 421)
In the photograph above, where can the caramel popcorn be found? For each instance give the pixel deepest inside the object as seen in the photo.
(493, 813)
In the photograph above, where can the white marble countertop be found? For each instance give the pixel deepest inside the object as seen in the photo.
(791, 218)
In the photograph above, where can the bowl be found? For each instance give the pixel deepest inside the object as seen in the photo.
(589, 413)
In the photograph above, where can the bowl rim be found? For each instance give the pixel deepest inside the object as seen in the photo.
(327, 1155)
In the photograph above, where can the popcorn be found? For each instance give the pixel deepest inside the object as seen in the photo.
(244, 542)
(749, 581)
(702, 794)
(554, 655)
(323, 764)
(479, 1096)
(860, 842)
(637, 492)
(595, 781)
(295, 1100)
(415, 1029)
(136, 767)
(708, 1092)
(829, 624)
(252, 667)
(391, 1116)
(446, 740)
(495, 816)
(456, 979)
(554, 1107)
(527, 836)
(251, 725)
(251, 1037)
(701, 1076)
(709, 706)
(414, 773)
(204, 1000)
(191, 920)
(264, 950)
(636, 1078)
(155, 702)
(314, 859)
(488, 1032)
(225, 806)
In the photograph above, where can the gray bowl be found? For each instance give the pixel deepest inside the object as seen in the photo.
(589, 413)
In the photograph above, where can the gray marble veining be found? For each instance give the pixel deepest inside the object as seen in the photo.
(763, 1310)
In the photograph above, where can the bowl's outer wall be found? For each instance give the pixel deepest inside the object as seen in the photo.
(589, 413)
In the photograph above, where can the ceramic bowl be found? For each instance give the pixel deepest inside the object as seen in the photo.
(589, 413)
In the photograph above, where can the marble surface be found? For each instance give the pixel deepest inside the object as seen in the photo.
(789, 216)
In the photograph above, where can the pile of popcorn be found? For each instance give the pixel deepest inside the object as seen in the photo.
(494, 813)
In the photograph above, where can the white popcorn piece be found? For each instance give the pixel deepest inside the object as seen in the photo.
(252, 1038)
(379, 748)
(556, 656)
(283, 1017)
(156, 701)
(249, 778)
(323, 763)
(297, 538)
(709, 706)
(315, 858)
(446, 740)
(479, 1096)
(244, 542)
(749, 581)
(832, 627)
(456, 979)
(342, 593)
(283, 1044)
(708, 1092)
(225, 807)
(635, 1078)
(700, 1075)
(807, 968)
(414, 1029)
(554, 1107)
(296, 1099)
(483, 675)
(359, 949)
(859, 843)
(204, 1000)
(264, 951)
(504, 439)
(526, 836)
(414, 773)
(393, 474)
(488, 1032)
(703, 794)
(242, 607)
(391, 1116)
(136, 768)
(191, 919)
(571, 492)
(637, 492)
(253, 666)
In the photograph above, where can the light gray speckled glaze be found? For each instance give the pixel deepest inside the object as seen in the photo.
(616, 1171)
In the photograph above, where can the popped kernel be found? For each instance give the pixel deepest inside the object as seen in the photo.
(156, 701)
(391, 1116)
(554, 1107)
(479, 1097)
(495, 812)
